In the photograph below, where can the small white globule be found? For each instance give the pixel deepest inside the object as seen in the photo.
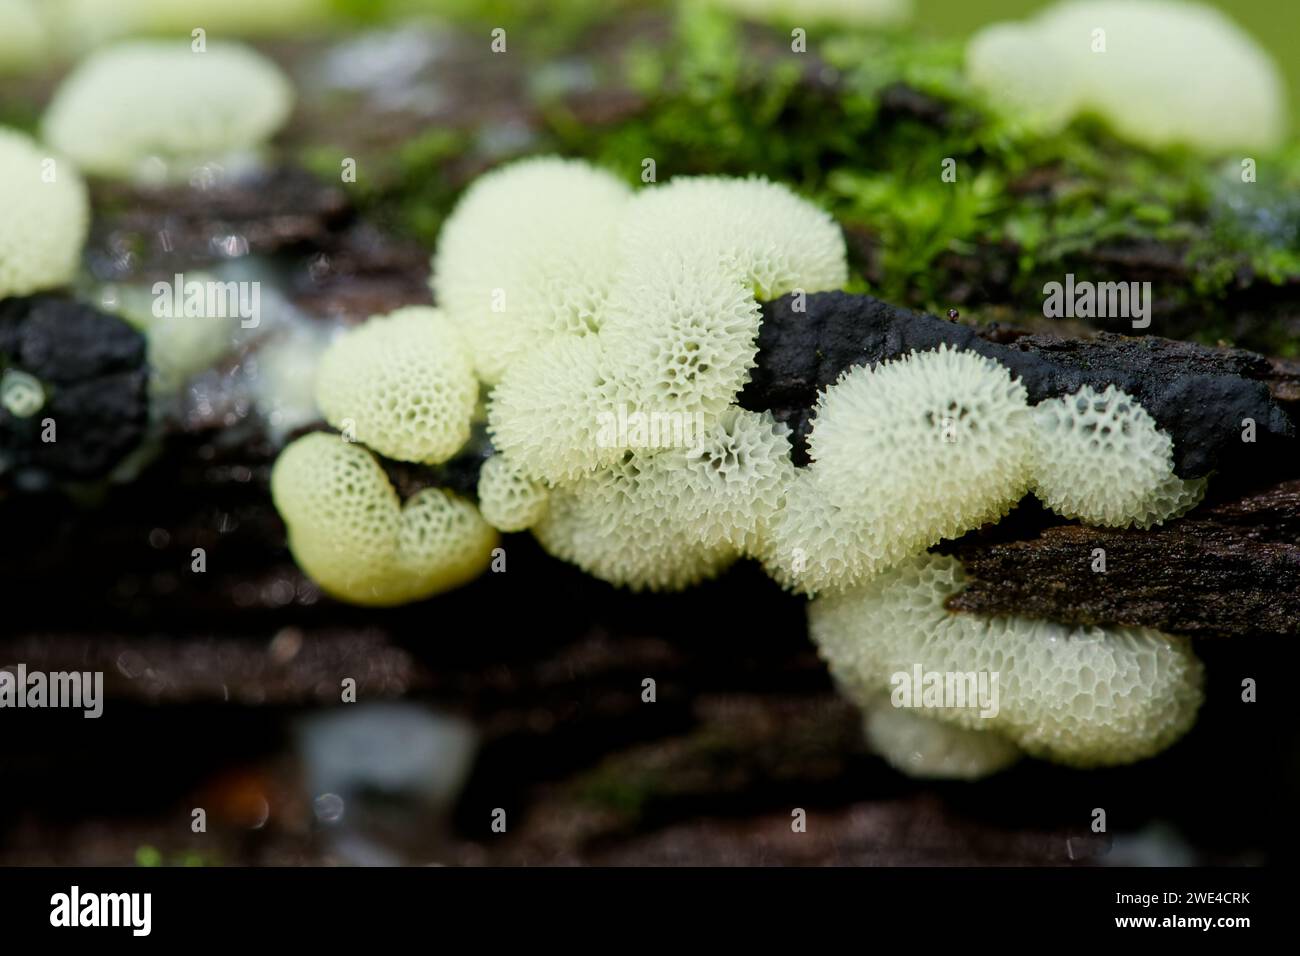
(680, 336)
(404, 383)
(1099, 457)
(905, 454)
(665, 518)
(341, 512)
(509, 499)
(442, 543)
(628, 524)
(1023, 76)
(527, 256)
(24, 36)
(814, 545)
(732, 479)
(46, 215)
(551, 411)
(156, 109)
(1159, 72)
(774, 239)
(1083, 696)
(924, 747)
(349, 531)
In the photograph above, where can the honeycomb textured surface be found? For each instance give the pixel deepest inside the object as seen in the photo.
(509, 499)
(778, 241)
(663, 519)
(680, 335)
(44, 223)
(732, 481)
(916, 450)
(1099, 457)
(547, 412)
(629, 524)
(1081, 696)
(924, 747)
(158, 100)
(1159, 72)
(528, 255)
(352, 535)
(814, 545)
(403, 383)
(442, 543)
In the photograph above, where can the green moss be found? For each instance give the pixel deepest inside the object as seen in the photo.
(20, 113)
(148, 856)
(720, 97)
(717, 103)
(619, 793)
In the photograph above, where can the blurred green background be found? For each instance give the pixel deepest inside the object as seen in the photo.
(1273, 23)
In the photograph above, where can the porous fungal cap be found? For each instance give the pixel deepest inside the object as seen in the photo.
(133, 106)
(1079, 696)
(731, 480)
(442, 543)
(663, 519)
(1023, 78)
(1170, 72)
(922, 746)
(551, 410)
(509, 500)
(23, 35)
(528, 255)
(777, 240)
(1099, 457)
(680, 336)
(351, 534)
(628, 548)
(45, 217)
(402, 383)
(813, 545)
(906, 454)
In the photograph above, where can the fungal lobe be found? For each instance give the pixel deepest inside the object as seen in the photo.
(1199, 395)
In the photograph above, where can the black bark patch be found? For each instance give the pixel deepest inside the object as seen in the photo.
(93, 369)
(1199, 395)
(1230, 568)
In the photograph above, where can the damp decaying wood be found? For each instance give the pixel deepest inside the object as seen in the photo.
(549, 666)
(207, 672)
(1201, 396)
(1228, 569)
(1231, 567)
(305, 234)
(744, 730)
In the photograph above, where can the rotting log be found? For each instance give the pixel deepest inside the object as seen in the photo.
(1230, 568)
(1198, 394)
(548, 662)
